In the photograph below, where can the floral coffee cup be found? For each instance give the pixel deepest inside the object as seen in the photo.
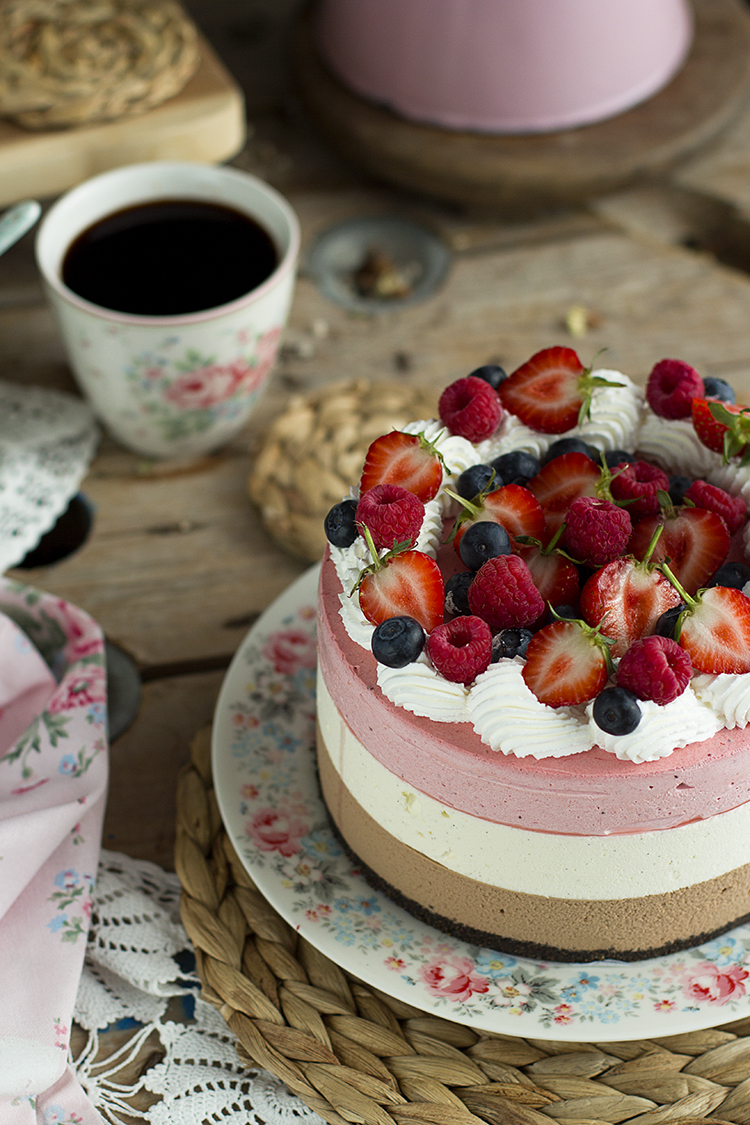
(177, 385)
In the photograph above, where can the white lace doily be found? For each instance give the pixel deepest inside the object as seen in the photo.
(138, 961)
(47, 440)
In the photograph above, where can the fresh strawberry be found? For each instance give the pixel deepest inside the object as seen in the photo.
(566, 663)
(626, 598)
(555, 577)
(470, 408)
(409, 460)
(513, 506)
(551, 392)
(694, 541)
(392, 514)
(403, 582)
(715, 629)
(560, 482)
(717, 429)
(671, 388)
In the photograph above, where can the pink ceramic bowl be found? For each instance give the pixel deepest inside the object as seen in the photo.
(505, 66)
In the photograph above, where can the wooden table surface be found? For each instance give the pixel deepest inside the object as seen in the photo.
(178, 564)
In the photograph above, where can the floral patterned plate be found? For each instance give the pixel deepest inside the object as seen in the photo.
(267, 788)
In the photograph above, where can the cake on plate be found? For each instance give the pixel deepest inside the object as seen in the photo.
(534, 662)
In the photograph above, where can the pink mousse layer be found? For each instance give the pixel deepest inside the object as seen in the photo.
(582, 794)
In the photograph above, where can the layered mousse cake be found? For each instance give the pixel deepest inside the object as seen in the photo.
(534, 662)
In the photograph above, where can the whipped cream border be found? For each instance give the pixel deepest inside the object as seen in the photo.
(504, 713)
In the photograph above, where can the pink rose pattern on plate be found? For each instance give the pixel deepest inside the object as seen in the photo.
(286, 840)
(187, 392)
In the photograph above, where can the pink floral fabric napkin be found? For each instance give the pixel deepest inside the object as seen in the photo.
(53, 782)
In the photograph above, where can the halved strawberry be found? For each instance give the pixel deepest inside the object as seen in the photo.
(695, 542)
(561, 481)
(551, 392)
(718, 430)
(715, 631)
(409, 460)
(555, 577)
(625, 598)
(566, 663)
(513, 506)
(403, 582)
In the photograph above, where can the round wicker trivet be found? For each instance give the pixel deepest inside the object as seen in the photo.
(313, 454)
(354, 1054)
(65, 63)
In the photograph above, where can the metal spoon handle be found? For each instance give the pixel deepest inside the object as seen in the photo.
(16, 221)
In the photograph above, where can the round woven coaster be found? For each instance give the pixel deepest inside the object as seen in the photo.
(354, 1054)
(65, 63)
(313, 454)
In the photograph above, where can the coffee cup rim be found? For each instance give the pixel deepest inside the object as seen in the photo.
(51, 274)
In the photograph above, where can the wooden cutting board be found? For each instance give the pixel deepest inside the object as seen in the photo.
(204, 122)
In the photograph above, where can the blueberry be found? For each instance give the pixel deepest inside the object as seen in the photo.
(719, 388)
(482, 541)
(734, 574)
(457, 593)
(397, 641)
(617, 711)
(340, 528)
(614, 457)
(678, 486)
(492, 373)
(474, 480)
(517, 466)
(665, 625)
(571, 445)
(510, 643)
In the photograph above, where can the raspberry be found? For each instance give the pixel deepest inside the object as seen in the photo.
(639, 482)
(461, 649)
(655, 668)
(671, 388)
(504, 595)
(470, 408)
(597, 530)
(732, 509)
(392, 514)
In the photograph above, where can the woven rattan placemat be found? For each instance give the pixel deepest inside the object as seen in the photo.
(355, 1055)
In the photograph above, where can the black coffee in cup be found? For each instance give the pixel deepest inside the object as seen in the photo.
(169, 257)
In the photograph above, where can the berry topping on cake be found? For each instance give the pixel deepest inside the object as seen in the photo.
(555, 576)
(735, 574)
(461, 649)
(732, 509)
(723, 427)
(516, 467)
(637, 484)
(718, 389)
(397, 641)
(597, 531)
(560, 482)
(572, 445)
(482, 541)
(655, 668)
(671, 388)
(504, 595)
(457, 593)
(694, 540)
(509, 643)
(616, 711)
(714, 629)
(403, 582)
(492, 373)
(551, 392)
(391, 513)
(470, 408)
(409, 460)
(476, 480)
(625, 598)
(566, 663)
(513, 506)
(340, 524)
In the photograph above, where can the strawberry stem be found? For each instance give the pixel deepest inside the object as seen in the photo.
(377, 563)
(691, 603)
